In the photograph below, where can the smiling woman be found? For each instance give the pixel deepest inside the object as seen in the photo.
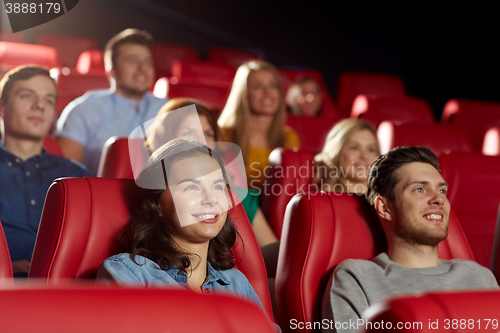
(181, 234)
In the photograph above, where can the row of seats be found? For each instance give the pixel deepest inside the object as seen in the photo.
(474, 187)
(78, 230)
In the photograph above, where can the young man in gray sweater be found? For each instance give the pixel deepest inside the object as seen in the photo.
(409, 196)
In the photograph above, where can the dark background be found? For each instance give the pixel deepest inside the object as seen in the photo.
(441, 51)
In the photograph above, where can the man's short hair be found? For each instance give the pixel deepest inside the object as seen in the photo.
(382, 177)
(127, 36)
(21, 73)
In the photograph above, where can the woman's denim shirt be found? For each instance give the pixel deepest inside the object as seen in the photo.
(122, 269)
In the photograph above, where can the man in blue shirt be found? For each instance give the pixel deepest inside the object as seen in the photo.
(27, 108)
(90, 120)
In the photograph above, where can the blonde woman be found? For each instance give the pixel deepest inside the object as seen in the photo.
(350, 147)
(254, 118)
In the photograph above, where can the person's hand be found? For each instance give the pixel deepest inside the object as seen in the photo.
(20, 266)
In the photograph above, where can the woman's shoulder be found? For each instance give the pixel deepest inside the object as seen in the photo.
(125, 268)
(227, 134)
(291, 138)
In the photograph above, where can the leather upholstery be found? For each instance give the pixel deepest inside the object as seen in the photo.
(438, 138)
(475, 308)
(94, 308)
(5, 261)
(474, 117)
(491, 142)
(320, 231)
(115, 159)
(164, 54)
(312, 131)
(290, 172)
(68, 47)
(474, 194)
(81, 223)
(17, 54)
(351, 84)
(398, 110)
(52, 146)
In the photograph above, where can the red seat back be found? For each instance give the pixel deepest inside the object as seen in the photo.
(474, 117)
(491, 142)
(474, 194)
(230, 56)
(52, 146)
(290, 172)
(213, 97)
(351, 84)
(320, 231)
(11, 37)
(78, 84)
(68, 47)
(203, 73)
(115, 159)
(5, 261)
(165, 54)
(17, 54)
(91, 62)
(464, 311)
(398, 110)
(312, 131)
(94, 308)
(82, 221)
(438, 138)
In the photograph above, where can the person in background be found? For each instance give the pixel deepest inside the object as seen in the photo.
(304, 97)
(159, 132)
(90, 120)
(342, 166)
(27, 109)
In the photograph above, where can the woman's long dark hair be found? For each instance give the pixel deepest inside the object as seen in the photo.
(150, 232)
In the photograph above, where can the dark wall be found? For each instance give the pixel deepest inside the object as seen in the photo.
(440, 52)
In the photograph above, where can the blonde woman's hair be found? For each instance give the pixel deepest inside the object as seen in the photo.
(235, 117)
(336, 140)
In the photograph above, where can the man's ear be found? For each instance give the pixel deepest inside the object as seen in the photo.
(384, 208)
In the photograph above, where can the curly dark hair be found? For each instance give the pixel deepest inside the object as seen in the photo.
(382, 177)
(150, 232)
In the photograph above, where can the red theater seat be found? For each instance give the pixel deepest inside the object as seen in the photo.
(52, 146)
(398, 110)
(68, 47)
(94, 308)
(17, 54)
(290, 172)
(474, 117)
(474, 194)
(312, 131)
(5, 262)
(78, 84)
(115, 159)
(351, 84)
(491, 142)
(203, 73)
(289, 76)
(230, 56)
(165, 54)
(469, 311)
(82, 220)
(213, 97)
(438, 138)
(319, 232)
(91, 62)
